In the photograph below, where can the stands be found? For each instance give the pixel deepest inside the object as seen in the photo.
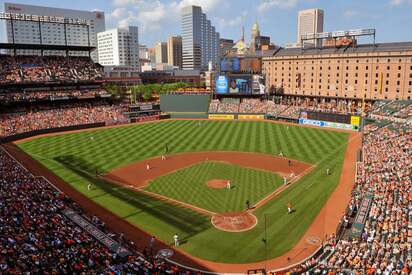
(36, 237)
(385, 243)
(32, 69)
(67, 115)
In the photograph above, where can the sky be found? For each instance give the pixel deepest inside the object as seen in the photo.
(158, 19)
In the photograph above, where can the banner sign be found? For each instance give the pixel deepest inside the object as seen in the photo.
(95, 232)
(360, 219)
(228, 117)
(327, 124)
(146, 107)
(251, 117)
(222, 84)
(355, 120)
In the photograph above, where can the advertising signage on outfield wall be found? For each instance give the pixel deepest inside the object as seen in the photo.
(250, 117)
(228, 117)
(328, 124)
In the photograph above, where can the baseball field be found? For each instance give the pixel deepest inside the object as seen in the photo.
(175, 194)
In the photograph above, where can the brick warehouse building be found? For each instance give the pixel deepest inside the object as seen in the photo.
(376, 71)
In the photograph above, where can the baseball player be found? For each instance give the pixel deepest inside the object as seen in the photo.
(228, 185)
(176, 239)
(163, 157)
(285, 180)
(147, 166)
(280, 154)
(327, 171)
(89, 187)
(289, 208)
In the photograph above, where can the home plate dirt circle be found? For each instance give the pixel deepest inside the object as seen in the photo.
(234, 221)
(217, 183)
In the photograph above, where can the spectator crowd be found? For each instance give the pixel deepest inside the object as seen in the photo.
(385, 244)
(8, 97)
(288, 107)
(31, 69)
(67, 115)
(37, 238)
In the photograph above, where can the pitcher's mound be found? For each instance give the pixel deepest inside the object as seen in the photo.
(234, 222)
(216, 183)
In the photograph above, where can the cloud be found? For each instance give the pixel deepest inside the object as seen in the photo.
(207, 5)
(269, 4)
(150, 15)
(350, 13)
(232, 22)
(399, 2)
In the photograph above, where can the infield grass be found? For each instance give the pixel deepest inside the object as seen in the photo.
(189, 185)
(76, 157)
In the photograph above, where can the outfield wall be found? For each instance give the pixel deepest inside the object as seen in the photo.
(173, 103)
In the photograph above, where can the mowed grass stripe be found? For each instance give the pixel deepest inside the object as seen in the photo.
(116, 147)
(189, 185)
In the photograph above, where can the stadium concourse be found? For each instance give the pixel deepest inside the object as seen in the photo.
(38, 229)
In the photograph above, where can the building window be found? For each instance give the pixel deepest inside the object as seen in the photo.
(387, 82)
(399, 68)
(367, 67)
(388, 68)
(398, 82)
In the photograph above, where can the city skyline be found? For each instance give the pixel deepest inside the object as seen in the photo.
(160, 19)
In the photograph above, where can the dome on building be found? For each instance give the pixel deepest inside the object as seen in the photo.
(240, 47)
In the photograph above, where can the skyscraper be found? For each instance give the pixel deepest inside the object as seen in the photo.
(161, 52)
(119, 47)
(200, 41)
(309, 21)
(174, 51)
(27, 32)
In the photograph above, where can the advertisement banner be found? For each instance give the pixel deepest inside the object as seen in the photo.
(222, 84)
(328, 124)
(251, 117)
(227, 117)
(355, 120)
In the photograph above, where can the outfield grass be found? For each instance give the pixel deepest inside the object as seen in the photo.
(189, 185)
(75, 157)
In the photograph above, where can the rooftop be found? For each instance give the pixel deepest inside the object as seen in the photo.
(361, 48)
